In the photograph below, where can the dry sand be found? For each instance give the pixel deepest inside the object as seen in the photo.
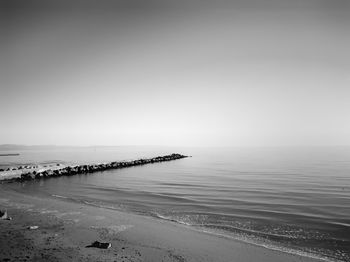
(66, 228)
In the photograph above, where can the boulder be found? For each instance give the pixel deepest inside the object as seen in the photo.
(28, 176)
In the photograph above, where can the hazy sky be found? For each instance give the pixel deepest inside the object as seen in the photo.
(164, 72)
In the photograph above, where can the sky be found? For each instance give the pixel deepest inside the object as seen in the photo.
(178, 73)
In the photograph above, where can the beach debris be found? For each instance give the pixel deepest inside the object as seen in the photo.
(4, 216)
(33, 227)
(102, 245)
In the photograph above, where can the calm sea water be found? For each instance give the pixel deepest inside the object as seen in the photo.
(291, 199)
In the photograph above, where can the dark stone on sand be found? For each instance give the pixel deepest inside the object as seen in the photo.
(4, 216)
(102, 245)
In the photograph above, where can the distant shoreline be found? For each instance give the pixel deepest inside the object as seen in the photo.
(15, 154)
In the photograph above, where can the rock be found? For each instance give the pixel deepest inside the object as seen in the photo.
(3, 214)
(102, 245)
(83, 169)
(40, 175)
(28, 176)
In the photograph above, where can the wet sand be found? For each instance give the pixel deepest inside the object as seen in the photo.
(66, 228)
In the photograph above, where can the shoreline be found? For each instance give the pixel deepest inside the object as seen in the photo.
(65, 228)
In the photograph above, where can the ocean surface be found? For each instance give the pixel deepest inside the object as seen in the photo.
(292, 199)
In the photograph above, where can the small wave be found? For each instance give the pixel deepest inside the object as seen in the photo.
(247, 237)
(171, 219)
(119, 207)
(252, 231)
(275, 247)
(340, 224)
(229, 228)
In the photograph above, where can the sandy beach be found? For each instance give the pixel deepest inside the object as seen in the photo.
(66, 228)
(175, 130)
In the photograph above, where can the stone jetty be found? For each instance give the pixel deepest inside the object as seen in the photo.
(85, 169)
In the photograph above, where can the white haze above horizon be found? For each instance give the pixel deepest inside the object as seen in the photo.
(227, 75)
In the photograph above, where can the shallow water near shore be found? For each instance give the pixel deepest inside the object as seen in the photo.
(292, 199)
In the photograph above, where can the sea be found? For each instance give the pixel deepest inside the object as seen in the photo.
(292, 199)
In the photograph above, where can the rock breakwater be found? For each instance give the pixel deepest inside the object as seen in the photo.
(85, 169)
